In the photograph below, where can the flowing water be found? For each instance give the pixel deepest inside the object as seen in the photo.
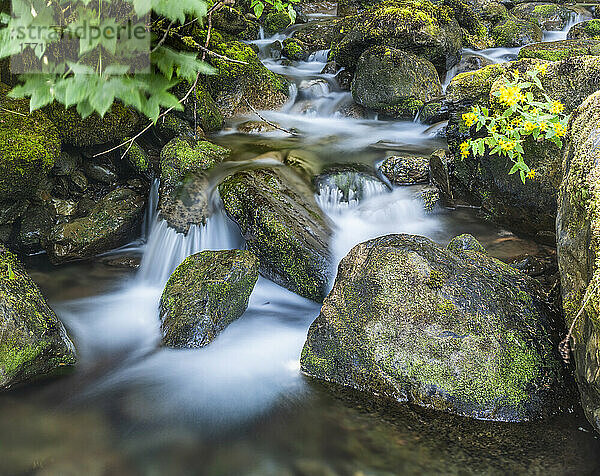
(240, 406)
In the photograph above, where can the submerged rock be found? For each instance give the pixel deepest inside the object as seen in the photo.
(528, 208)
(206, 293)
(406, 170)
(283, 226)
(453, 330)
(394, 82)
(112, 222)
(578, 229)
(33, 341)
(184, 189)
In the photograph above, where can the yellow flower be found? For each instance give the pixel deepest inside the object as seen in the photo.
(529, 126)
(557, 107)
(559, 129)
(542, 69)
(543, 126)
(493, 128)
(464, 149)
(534, 111)
(517, 121)
(506, 145)
(531, 174)
(511, 95)
(469, 118)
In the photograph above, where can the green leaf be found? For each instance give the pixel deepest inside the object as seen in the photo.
(259, 7)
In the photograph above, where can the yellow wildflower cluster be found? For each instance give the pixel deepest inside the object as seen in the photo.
(542, 69)
(557, 107)
(507, 145)
(531, 174)
(559, 129)
(469, 118)
(511, 95)
(529, 126)
(464, 149)
(543, 126)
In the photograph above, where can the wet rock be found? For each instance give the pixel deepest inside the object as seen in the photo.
(578, 230)
(66, 163)
(317, 35)
(589, 29)
(528, 209)
(255, 127)
(353, 110)
(452, 330)
(420, 27)
(206, 293)
(103, 173)
(283, 226)
(35, 226)
(201, 112)
(114, 220)
(79, 180)
(232, 21)
(394, 82)
(117, 124)
(548, 16)
(465, 242)
(275, 21)
(439, 172)
(312, 88)
(33, 341)
(126, 262)
(171, 126)
(406, 170)
(471, 63)
(295, 50)
(347, 187)
(516, 32)
(560, 50)
(184, 189)
(138, 158)
(307, 164)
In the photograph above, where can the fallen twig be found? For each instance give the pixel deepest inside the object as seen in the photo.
(272, 124)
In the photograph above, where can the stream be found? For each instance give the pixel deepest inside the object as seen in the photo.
(241, 406)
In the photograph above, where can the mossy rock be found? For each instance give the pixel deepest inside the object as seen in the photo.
(578, 230)
(274, 22)
(233, 84)
(516, 32)
(456, 331)
(560, 50)
(117, 124)
(548, 16)
(112, 222)
(421, 27)
(184, 189)
(33, 341)
(236, 23)
(138, 158)
(318, 34)
(294, 49)
(29, 146)
(283, 226)
(206, 293)
(200, 108)
(352, 7)
(589, 29)
(530, 208)
(465, 242)
(393, 82)
(405, 169)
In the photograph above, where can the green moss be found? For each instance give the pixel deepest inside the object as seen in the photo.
(560, 50)
(436, 279)
(137, 158)
(206, 110)
(294, 49)
(515, 32)
(274, 22)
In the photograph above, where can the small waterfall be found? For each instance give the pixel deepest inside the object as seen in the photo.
(343, 191)
(166, 248)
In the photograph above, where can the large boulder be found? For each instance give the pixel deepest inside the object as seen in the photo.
(206, 293)
(453, 330)
(317, 35)
(284, 227)
(405, 169)
(589, 29)
(119, 123)
(113, 221)
(514, 32)
(184, 198)
(418, 26)
(33, 341)
(578, 232)
(529, 208)
(560, 50)
(394, 82)
(548, 16)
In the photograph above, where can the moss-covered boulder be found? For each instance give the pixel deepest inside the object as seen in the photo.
(352, 7)
(589, 29)
(548, 16)
(283, 226)
(112, 222)
(172, 125)
(578, 232)
(200, 107)
(184, 188)
(235, 83)
(457, 331)
(560, 50)
(405, 169)
(318, 34)
(524, 208)
(418, 26)
(394, 82)
(33, 341)
(275, 21)
(236, 23)
(117, 124)
(206, 293)
(294, 49)
(516, 32)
